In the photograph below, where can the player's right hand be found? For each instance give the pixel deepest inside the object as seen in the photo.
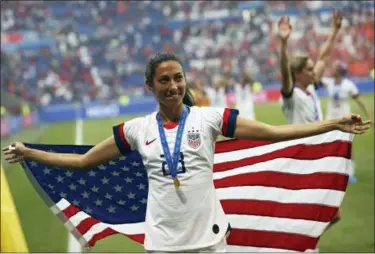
(15, 152)
(285, 28)
(353, 123)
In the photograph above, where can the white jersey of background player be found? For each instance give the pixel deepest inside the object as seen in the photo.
(301, 105)
(172, 215)
(244, 98)
(216, 94)
(339, 91)
(338, 96)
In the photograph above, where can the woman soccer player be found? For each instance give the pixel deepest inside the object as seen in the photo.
(244, 97)
(339, 90)
(217, 93)
(183, 211)
(299, 101)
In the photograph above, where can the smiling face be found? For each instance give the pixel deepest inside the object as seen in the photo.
(169, 83)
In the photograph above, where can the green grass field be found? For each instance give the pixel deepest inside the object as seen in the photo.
(45, 233)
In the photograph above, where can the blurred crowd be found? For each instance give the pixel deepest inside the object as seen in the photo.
(102, 47)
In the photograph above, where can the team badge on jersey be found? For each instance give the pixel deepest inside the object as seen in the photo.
(194, 138)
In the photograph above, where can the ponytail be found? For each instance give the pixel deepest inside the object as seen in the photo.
(188, 99)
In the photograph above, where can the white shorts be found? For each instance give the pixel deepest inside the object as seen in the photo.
(219, 247)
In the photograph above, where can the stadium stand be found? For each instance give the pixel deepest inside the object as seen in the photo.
(84, 50)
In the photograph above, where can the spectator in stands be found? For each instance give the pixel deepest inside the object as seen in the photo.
(93, 35)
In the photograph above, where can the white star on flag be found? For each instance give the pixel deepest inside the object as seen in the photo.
(95, 189)
(118, 188)
(134, 208)
(92, 173)
(105, 180)
(102, 167)
(135, 164)
(59, 179)
(131, 195)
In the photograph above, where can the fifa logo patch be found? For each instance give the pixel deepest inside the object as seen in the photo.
(194, 138)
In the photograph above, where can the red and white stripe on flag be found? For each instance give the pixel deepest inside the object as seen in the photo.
(278, 197)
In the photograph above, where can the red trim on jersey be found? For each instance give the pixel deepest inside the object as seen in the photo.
(122, 136)
(226, 114)
(170, 125)
(121, 142)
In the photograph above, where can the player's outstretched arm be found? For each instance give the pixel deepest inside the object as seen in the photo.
(105, 151)
(327, 47)
(249, 129)
(285, 30)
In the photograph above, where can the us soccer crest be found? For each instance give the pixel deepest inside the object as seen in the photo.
(194, 138)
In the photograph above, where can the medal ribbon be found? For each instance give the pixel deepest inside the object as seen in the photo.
(172, 162)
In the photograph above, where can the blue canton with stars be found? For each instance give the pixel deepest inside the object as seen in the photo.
(114, 192)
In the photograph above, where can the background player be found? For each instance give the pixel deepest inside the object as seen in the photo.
(339, 90)
(244, 96)
(299, 101)
(216, 93)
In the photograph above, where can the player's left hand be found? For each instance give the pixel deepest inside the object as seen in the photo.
(336, 20)
(353, 124)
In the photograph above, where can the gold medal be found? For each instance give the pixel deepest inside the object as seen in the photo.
(176, 182)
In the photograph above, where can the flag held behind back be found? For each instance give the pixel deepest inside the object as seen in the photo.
(278, 197)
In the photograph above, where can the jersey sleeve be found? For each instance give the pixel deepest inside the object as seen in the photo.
(353, 89)
(287, 96)
(221, 121)
(287, 101)
(126, 135)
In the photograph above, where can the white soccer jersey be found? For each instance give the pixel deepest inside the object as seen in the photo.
(191, 217)
(301, 106)
(217, 97)
(338, 97)
(245, 102)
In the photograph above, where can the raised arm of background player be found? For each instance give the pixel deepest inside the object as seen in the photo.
(285, 29)
(326, 49)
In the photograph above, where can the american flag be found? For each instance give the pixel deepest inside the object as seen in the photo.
(278, 196)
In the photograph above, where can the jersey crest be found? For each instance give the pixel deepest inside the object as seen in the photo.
(194, 138)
